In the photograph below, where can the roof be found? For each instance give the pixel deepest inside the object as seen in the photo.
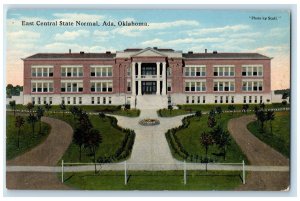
(72, 56)
(224, 56)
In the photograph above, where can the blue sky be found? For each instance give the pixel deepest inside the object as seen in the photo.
(187, 30)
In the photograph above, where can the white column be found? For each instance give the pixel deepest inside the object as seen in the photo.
(157, 78)
(133, 78)
(164, 83)
(139, 78)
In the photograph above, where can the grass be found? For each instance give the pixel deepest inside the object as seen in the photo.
(111, 139)
(112, 109)
(189, 108)
(154, 180)
(27, 139)
(190, 139)
(280, 138)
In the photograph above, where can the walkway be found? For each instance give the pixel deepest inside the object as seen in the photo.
(46, 154)
(150, 144)
(258, 153)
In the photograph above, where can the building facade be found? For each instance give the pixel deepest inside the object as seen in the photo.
(152, 75)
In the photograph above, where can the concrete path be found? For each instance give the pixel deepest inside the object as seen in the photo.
(259, 153)
(47, 153)
(150, 145)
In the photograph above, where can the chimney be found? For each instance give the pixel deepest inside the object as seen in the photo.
(108, 52)
(215, 52)
(70, 51)
(81, 52)
(205, 51)
(155, 48)
(190, 52)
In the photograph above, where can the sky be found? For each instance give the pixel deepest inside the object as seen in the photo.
(186, 30)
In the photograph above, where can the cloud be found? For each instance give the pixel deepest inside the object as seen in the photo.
(133, 31)
(23, 36)
(61, 47)
(71, 35)
(170, 43)
(77, 17)
(205, 31)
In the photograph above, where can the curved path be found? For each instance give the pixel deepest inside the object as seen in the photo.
(47, 153)
(258, 153)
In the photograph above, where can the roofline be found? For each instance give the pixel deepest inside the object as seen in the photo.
(28, 59)
(269, 58)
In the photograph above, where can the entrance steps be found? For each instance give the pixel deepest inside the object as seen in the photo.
(151, 102)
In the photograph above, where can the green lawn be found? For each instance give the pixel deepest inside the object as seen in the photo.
(280, 138)
(111, 109)
(111, 139)
(27, 139)
(190, 140)
(172, 113)
(154, 180)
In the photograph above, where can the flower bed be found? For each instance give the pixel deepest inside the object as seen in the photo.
(149, 122)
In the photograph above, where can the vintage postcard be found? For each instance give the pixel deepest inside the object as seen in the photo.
(148, 99)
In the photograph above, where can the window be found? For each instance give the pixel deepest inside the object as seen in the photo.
(255, 99)
(195, 70)
(224, 86)
(216, 99)
(109, 100)
(232, 99)
(50, 100)
(103, 71)
(68, 100)
(71, 86)
(224, 70)
(41, 71)
(102, 86)
(169, 86)
(45, 100)
(198, 99)
(203, 99)
(169, 71)
(245, 99)
(227, 99)
(252, 70)
(98, 100)
(80, 100)
(74, 100)
(33, 100)
(221, 99)
(104, 100)
(63, 100)
(187, 99)
(92, 100)
(71, 71)
(193, 99)
(41, 86)
(252, 86)
(261, 99)
(195, 86)
(128, 85)
(39, 100)
(129, 71)
(250, 99)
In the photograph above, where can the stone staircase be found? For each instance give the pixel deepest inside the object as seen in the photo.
(151, 102)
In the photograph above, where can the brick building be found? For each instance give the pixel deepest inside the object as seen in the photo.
(147, 76)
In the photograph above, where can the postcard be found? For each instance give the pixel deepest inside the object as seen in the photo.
(144, 99)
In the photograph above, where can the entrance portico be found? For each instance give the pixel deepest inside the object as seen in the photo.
(148, 78)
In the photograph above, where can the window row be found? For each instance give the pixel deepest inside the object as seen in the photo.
(42, 71)
(101, 71)
(224, 70)
(71, 71)
(195, 99)
(71, 87)
(252, 70)
(224, 99)
(252, 85)
(101, 86)
(42, 87)
(249, 99)
(224, 86)
(101, 100)
(197, 71)
(195, 86)
(41, 100)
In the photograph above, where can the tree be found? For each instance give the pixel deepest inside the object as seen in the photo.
(270, 117)
(31, 119)
(261, 116)
(47, 107)
(75, 111)
(211, 122)
(18, 124)
(212, 113)
(285, 95)
(219, 111)
(262, 106)
(63, 108)
(92, 142)
(206, 140)
(198, 114)
(231, 108)
(39, 115)
(221, 138)
(170, 108)
(30, 107)
(12, 104)
(102, 115)
(78, 139)
(245, 108)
